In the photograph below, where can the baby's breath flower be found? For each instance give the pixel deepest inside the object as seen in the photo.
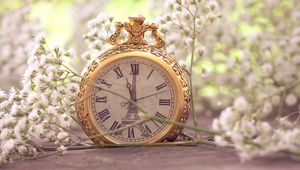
(2, 94)
(221, 141)
(240, 104)
(177, 24)
(33, 116)
(7, 146)
(16, 44)
(99, 30)
(267, 108)
(62, 149)
(228, 118)
(42, 109)
(291, 100)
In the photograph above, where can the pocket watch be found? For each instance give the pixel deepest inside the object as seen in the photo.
(141, 72)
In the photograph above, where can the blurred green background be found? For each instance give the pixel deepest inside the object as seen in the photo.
(55, 16)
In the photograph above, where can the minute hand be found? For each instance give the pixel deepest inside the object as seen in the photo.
(151, 95)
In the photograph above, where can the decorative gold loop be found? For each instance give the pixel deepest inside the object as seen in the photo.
(159, 41)
(113, 38)
(136, 30)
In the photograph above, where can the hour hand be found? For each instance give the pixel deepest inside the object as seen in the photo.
(128, 86)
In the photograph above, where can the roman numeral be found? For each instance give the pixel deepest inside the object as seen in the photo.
(130, 132)
(101, 99)
(105, 83)
(150, 74)
(155, 123)
(118, 72)
(115, 125)
(134, 69)
(161, 86)
(160, 116)
(164, 102)
(104, 115)
(148, 129)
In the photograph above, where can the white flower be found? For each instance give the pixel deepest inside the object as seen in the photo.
(40, 38)
(64, 120)
(96, 38)
(14, 109)
(247, 128)
(62, 135)
(228, 118)
(291, 99)
(201, 51)
(44, 100)
(2, 94)
(16, 44)
(22, 123)
(220, 140)
(86, 55)
(6, 134)
(216, 125)
(7, 146)
(22, 149)
(267, 108)
(240, 104)
(33, 115)
(62, 149)
(188, 41)
(265, 126)
(235, 135)
(6, 120)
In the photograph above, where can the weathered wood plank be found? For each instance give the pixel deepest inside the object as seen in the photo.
(149, 158)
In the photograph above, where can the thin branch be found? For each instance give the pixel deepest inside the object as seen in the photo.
(191, 70)
(179, 143)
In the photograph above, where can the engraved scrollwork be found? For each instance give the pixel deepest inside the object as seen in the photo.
(136, 30)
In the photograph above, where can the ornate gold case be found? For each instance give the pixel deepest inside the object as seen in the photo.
(135, 46)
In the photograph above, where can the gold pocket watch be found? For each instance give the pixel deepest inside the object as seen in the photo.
(144, 74)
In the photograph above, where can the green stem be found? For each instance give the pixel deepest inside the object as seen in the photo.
(180, 143)
(196, 129)
(282, 90)
(191, 70)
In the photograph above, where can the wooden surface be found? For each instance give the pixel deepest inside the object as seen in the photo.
(200, 157)
(149, 158)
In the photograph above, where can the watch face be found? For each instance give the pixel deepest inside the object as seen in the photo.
(142, 81)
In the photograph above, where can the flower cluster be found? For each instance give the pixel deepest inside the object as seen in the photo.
(263, 61)
(42, 109)
(253, 137)
(16, 43)
(84, 11)
(238, 68)
(186, 19)
(99, 31)
(265, 84)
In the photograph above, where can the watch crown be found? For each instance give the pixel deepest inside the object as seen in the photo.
(136, 30)
(136, 19)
